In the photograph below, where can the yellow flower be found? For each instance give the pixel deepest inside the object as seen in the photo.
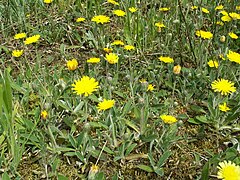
(233, 56)
(166, 59)
(150, 87)
(101, 19)
(164, 9)
(219, 7)
(17, 53)
(226, 18)
(93, 60)
(204, 34)
(20, 35)
(113, 2)
(93, 171)
(223, 107)
(108, 50)
(132, 9)
(32, 39)
(234, 15)
(168, 119)
(220, 23)
(238, 8)
(72, 64)
(119, 12)
(228, 171)
(194, 7)
(129, 47)
(44, 114)
(48, 1)
(112, 58)
(177, 69)
(160, 25)
(118, 42)
(80, 19)
(85, 85)
(223, 86)
(225, 13)
(213, 64)
(106, 104)
(233, 35)
(204, 10)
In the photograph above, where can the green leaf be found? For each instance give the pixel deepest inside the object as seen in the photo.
(98, 125)
(99, 176)
(163, 158)
(159, 171)
(205, 171)
(193, 121)
(197, 109)
(202, 119)
(148, 138)
(5, 176)
(62, 177)
(145, 168)
(127, 108)
(130, 148)
(108, 150)
(131, 125)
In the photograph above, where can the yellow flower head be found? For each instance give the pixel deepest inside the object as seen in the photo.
(213, 64)
(150, 87)
(234, 16)
(17, 53)
(48, 1)
(220, 23)
(112, 58)
(32, 39)
(20, 35)
(223, 107)
(106, 104)
(132, 9)
(194, 7)
(177, 69)
(233, 35)
(80, 19)
(93, 60)
(238, 8)
(72, 64)
(164, 9)
(233, 56)
(166, 59)
(85, 85)
(223, 86)
(204, 34)
(223, 12)
(108, 50)
(160, 25)
(228, 171)
(44, 114)
(204, 10)
(113, 2)
(101, 19)
(226, 18)
(118, 42)
(168, 119)
(129, 47)
(119, 12)
(219, 7)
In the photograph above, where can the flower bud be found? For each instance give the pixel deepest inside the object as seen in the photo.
(177, 69)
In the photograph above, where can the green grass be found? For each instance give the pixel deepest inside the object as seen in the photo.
(129, 140)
